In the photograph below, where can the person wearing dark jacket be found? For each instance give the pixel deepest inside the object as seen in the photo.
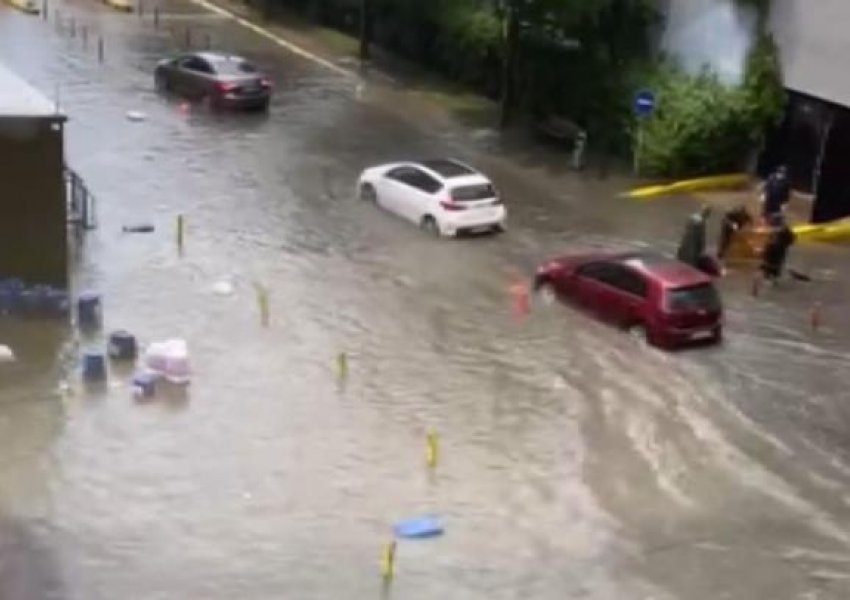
(692, 246)
(734, 220)
(776, 193)
(776, 250)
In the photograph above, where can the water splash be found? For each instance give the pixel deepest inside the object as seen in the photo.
(714, 33)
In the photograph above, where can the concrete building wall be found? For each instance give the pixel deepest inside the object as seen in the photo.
(33, 222)
(814, 40)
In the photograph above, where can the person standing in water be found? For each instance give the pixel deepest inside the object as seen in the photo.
(776, 193)
(776, 250)
(692, 246)
(734, 221)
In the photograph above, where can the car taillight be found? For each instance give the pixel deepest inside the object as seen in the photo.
(453, 206)
(226, 86)
(266, 82)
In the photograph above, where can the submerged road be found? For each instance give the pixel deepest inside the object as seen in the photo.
(574, 461)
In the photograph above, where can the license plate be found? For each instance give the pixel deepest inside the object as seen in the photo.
(702, 335)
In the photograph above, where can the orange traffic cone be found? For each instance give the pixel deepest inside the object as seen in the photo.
(519, 296)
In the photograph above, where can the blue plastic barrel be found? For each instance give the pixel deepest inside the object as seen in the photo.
(122, 346)
(88, 309)
(144, 384)
(94, 367)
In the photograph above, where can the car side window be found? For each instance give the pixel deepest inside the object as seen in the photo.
(629, 281)
(616, 276)
(193, 63)
(597, 271)
(399, 174)
(415, 178)
(425, 182)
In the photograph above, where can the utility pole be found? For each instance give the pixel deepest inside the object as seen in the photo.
(510, 22)
(365, 29)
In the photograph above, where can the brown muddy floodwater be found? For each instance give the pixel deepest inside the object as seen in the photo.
(574, 462)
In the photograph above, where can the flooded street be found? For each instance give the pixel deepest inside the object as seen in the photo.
(574, 461)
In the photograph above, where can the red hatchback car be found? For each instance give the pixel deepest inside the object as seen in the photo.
(673, 303)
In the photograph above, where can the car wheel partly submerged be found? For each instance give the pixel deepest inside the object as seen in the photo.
(368, 193)
(429, 226)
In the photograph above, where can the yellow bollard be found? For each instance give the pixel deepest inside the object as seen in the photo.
(388, 561)
(342, 366)
(181, 226)
(263, 304)
(431, 448)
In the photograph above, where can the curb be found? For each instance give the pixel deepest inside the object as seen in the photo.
(276, 39)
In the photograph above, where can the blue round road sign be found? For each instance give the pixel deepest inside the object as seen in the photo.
(644, 103)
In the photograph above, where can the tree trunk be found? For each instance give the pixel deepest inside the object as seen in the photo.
(365, 29)
(509, 64)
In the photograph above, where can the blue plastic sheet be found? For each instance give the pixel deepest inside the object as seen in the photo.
(424, 526)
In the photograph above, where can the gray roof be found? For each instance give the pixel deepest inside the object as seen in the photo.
(19, 99)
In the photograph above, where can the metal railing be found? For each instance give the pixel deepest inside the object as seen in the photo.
(81, 203)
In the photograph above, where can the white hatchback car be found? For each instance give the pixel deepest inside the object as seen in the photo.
(444, 197)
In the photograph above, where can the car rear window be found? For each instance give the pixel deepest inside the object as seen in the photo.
(470, 193)
(696, 297)
(234, 67)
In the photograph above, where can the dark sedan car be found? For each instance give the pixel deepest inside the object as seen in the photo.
(669, 301)
(226, 81)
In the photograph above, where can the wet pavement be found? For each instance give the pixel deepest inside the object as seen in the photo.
(574, 462)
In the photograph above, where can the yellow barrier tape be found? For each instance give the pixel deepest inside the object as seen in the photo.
(823, 232)
(123, 5)
(715, 182)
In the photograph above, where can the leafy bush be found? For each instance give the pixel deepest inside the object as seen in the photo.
(705, 126)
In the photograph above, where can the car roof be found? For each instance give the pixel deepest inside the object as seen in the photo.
(446, 168)
(215, 57)
(669, 272)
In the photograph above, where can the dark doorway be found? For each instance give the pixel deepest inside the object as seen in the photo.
(797, 142)
(832, 200)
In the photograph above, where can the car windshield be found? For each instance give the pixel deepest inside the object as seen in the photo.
(469, 193)
(696, 297)
(234, 66)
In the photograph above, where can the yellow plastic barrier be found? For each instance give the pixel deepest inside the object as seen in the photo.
(833, 231)
(701, 184)
(27, 6)
(122, 5)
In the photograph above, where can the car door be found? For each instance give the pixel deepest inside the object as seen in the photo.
(589, 287)
(421, 198)
(392, 187)
(194, 77)
(626, 294)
